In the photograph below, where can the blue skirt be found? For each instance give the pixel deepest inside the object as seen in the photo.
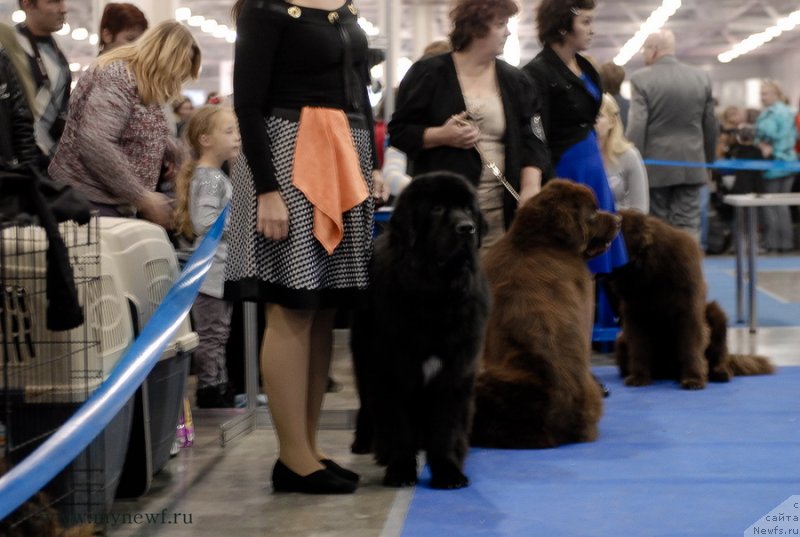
(583, 164)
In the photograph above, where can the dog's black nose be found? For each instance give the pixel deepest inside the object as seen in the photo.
(465, 228)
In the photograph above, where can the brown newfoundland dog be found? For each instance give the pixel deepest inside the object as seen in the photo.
(668, 330)
(536, 389)
(416, 348)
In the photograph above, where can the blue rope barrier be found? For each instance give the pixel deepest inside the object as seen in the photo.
(36, 470)
(732, 165)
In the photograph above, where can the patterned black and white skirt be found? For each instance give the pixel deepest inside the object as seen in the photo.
(297, 272)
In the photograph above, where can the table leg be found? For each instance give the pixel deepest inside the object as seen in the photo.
(752, 231)
(739, 233)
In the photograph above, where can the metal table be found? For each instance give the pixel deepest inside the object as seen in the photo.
(746, 206)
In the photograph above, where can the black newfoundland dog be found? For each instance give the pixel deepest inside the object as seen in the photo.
(416, 348)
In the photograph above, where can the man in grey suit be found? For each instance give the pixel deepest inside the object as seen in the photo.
(671, 117)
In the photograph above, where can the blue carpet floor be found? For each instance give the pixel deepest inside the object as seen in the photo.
(721, 277)
(667, 463)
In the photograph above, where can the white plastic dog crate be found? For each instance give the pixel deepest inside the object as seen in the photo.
(148, 268)
(36, 361)
(46, 375)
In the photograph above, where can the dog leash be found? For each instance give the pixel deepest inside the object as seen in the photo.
(490, 163)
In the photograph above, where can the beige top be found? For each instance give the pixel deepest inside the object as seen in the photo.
(487, 113)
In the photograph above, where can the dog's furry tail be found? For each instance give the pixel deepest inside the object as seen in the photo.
(750, 364)
(717, 351)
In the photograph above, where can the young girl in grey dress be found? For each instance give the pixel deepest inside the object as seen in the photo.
(203, 191)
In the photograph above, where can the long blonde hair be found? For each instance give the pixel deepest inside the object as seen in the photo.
(161, 60)
(203, 121)
(615, 143)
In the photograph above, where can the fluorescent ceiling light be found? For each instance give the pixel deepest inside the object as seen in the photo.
(654, 22)
(752, 42)
(183, 13)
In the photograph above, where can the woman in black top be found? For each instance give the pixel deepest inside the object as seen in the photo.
(300, 79)
(569, 88)
(471, 82)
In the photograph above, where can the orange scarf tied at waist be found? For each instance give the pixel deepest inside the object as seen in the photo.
(327, 171)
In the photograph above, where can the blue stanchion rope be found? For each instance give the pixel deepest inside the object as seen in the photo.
(36, 470)
(732, 164)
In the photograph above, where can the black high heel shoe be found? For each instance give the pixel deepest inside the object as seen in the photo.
(320, 482)
(344, 473)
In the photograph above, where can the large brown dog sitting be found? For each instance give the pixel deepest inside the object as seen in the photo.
(669, 332)
(536, 389)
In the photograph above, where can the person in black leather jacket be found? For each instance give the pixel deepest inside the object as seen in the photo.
(18, 149)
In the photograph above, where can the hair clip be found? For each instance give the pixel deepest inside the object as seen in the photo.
(575, 11)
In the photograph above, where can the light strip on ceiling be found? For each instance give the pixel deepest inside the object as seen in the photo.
(209, 26)
(654, 22)
(750, 43)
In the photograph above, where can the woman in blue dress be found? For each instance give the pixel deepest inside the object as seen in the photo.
(570, 90)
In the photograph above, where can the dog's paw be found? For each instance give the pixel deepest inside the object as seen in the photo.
(693, 384)
(637, 380)
(449, 478)
(720, 375)
(400, 475)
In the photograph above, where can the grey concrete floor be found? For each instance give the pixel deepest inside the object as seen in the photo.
(208, 490)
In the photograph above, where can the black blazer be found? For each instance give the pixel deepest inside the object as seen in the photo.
(430, 93)
(568, 109)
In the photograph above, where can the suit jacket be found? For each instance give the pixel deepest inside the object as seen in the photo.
(568, 109)
(671, 117)
(430, 93)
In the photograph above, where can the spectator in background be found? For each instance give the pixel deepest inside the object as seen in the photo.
(120, 24)
(613, 76)
(213, 98)
(449, 104)
(775, 137)
(730, 119)
(203, 192)
(47, 67)
(672, 118)
(113, 145)
(627, 176)
(182, 109)
(569, 87)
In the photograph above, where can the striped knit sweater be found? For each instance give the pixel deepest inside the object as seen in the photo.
(113, 145)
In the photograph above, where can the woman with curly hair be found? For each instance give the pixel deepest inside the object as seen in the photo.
(569, 87)
(452, 105)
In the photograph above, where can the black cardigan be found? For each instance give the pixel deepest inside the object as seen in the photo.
(430, 93)
(568, 109)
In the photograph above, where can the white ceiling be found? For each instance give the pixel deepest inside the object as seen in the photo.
(704, 28)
